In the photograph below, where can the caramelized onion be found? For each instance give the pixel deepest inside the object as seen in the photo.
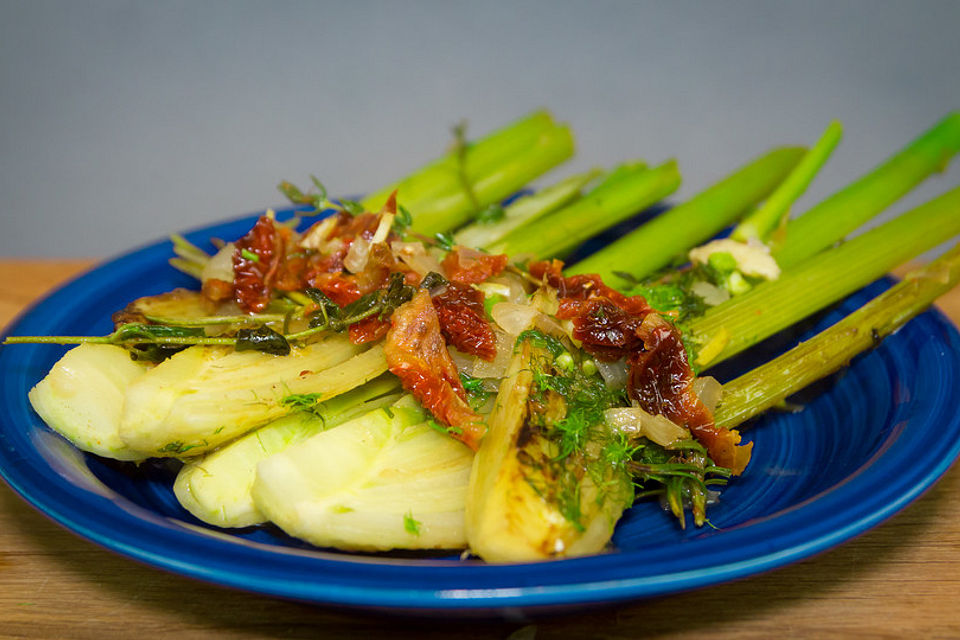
(220, 266)
(496, 368)
(613, 373)
(709, 391)
(356, 258)
(415, 256)
(635, 421)
(513, 318)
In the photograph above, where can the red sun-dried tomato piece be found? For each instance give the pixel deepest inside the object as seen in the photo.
(339, 287)
(417, 354)
(572, 291)
(549, 270)
(469, 266)
(607, 331)
(255, 263)
(661, 381)
(368, 330)
(604, 320)
(463, 320)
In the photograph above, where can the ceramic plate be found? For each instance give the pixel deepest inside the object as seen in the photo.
(867, 443)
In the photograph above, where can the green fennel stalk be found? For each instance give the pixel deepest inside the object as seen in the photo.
(445, 212)
(447, 193)
(745, 320)
(617, 198)
(832, 349)
(847, 209)
(655, 244)
(441, 175)
(482, 234)
(772, 213)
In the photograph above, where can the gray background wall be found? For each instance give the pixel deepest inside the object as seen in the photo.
(123, 121)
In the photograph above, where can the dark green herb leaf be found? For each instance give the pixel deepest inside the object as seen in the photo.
(151, 352)
(321, 190)
(351, 207)
(630, 279)
(362, 307)
(328, 313)
(402, 221)
(135, 330)
(139, 338)
(396, 293)
(433, 280)
(293, 193)
(263, 339)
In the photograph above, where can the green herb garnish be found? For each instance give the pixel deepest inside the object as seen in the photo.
(410, 524)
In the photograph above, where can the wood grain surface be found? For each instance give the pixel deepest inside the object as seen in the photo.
(899, 580)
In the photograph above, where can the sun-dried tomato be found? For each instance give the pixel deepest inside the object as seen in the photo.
(604, 320)
(291, 273)
(549, 270)
(573, 291)
(661, 381)
(368, 330)
(469, 266)
(339, 287)
(255, 262)
(417, 354)
(464, 322)
(607, 331)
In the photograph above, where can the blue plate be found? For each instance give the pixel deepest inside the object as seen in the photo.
(870, 441)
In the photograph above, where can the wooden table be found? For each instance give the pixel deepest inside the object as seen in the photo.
(901, 579)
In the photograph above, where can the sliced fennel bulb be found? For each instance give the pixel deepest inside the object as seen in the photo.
(216, 488)
(203, 397)
(81, 398)
(386, 480)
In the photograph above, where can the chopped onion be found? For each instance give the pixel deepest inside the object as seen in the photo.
(711, 294)
(415, 256)
(464, 361)
(545, 299)
(753, 258)
(480, 368)
(513, 318)
(493, 289)
(316, 236)
(637, 422)
(550, 326)
(383, 229)
(709, 391)
(220, 266)
(356, 258)
(516, 290)
(498, 367)
(613, 373)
